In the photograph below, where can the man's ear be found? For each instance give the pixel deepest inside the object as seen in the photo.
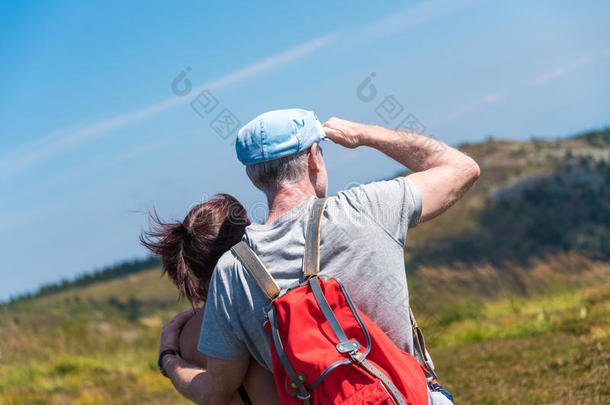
(314, 157)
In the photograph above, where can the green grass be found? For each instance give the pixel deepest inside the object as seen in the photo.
(82, 347)
(542, 368)
(551, 346)
(548, 346)
(581, 312)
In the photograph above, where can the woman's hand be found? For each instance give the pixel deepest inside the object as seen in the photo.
(170, 335)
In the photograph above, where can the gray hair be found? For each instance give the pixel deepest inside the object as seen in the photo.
(269, 176)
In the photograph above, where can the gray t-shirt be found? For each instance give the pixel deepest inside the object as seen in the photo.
(362, 237)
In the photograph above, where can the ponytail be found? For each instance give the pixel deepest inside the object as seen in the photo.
(190, 249)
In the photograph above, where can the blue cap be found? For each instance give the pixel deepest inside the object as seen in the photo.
(276, 134)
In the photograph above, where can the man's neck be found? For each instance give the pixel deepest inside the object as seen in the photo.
(288, 197)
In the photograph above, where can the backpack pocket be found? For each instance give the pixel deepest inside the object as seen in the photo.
(370, 394)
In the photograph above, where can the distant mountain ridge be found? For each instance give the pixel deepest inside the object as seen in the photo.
(534, 198)
(107, 273)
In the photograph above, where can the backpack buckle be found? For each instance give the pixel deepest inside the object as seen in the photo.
(357, 357)
(303, 398)
(348, 347)
(298, 380)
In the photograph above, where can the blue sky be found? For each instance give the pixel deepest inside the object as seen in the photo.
(92, 136)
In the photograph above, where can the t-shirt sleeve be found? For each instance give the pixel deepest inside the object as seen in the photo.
(395, 204)
(218, 338)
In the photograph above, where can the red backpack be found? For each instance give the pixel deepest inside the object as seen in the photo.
(324, 350)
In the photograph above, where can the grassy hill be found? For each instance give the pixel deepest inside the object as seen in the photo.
(510, 285)
(94, 344)
(533, 198)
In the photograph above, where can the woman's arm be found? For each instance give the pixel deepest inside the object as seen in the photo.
(189, 337)
(216, 384)
(259, 381)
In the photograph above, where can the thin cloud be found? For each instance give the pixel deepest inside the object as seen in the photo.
(416, 14)
(552, 74)
(92, 165)
(268, 64)
(491, 98)
(560, 71)
(136, 152)
(24, 157)
(59, 141)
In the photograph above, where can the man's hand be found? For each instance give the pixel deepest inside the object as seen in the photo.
(216, 384)
(343, 132)
(170, 335)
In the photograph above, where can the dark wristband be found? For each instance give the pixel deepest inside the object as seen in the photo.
(163, 354)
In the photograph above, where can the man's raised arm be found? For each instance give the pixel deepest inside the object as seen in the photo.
(441, 173)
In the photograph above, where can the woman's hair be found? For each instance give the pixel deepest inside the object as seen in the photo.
(189, 250)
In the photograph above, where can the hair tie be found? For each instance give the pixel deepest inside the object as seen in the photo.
(190, 232)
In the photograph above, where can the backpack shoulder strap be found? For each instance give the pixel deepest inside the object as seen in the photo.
(311, 258)
(257, 269)
(419, 346)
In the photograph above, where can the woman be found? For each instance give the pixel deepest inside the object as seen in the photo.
(189, 251)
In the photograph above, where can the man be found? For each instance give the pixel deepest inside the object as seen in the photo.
(363, 232)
